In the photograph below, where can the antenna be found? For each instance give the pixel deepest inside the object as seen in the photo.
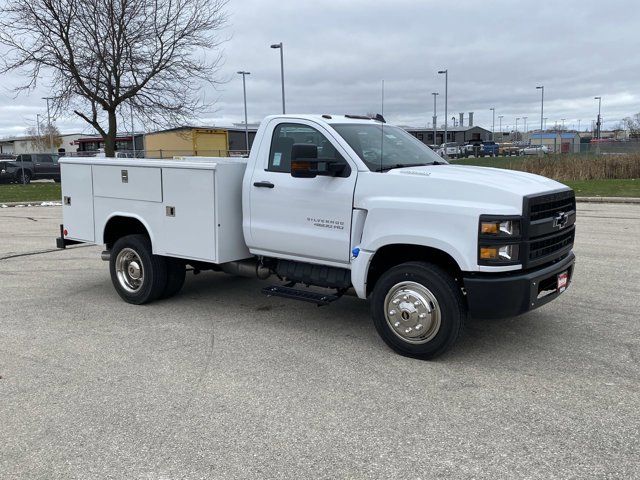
(382, 128)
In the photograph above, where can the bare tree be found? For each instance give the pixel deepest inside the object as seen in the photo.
(103, 55)
(42, 135)
(632, 124)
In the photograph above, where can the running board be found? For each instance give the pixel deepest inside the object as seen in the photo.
(319, 299)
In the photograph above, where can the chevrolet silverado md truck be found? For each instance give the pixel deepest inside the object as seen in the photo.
(329, 205)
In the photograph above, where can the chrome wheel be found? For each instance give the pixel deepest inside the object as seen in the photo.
(129, 270)
(412, 312)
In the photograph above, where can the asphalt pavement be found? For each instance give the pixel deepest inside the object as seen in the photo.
(222, 382)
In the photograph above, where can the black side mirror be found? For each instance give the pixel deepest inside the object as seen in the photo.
(304, 160)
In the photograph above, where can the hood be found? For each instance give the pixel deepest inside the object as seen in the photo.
(495, 190)
(498, 178)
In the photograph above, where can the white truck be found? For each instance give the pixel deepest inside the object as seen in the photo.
(332, 205)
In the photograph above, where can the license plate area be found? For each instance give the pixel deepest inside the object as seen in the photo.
(563, 281)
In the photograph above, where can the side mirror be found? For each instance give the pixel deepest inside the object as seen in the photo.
(304, 160)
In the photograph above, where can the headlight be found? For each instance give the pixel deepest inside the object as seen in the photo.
(500, 227)
(499, 240)
(499, 253)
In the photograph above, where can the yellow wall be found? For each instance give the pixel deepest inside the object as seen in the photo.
(196, 141)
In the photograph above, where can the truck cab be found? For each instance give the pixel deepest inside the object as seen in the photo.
(335, 205)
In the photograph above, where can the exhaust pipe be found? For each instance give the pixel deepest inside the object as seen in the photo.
(246, 268)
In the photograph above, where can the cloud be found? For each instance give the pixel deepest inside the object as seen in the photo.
(338, 52)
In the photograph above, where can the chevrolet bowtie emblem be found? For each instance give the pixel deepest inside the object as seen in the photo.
(560, 220)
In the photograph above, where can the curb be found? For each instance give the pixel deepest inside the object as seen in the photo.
(608, 200)
(33, 203)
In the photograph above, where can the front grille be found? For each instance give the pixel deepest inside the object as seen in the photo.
(550, 205)
(547, 246)
(544, 239)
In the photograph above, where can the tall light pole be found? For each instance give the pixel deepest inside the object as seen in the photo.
(500, 117)
(446, 100)
(563, 123)
(517, 118)
(598, 123)
(579, 120)
(541, 87)
(244, 92)
(524, 128)
(493, 124)
(435, 117)
(281, 48)
(49, 122)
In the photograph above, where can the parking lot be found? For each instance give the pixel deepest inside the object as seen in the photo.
(222, 382)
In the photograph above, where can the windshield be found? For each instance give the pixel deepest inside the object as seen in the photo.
(383, 147)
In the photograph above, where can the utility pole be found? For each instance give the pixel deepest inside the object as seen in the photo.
(244, 92)
(49, 123)
(517, 118)
(493, 124)
(500, 117)
(435, 117)
(599, 121)
(446, 101)
(280, 46)
(542, 119)
(38, 128)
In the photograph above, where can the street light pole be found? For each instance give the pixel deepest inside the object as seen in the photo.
(598, 123)
(435, 117)
(517, 118)
(49, 123)
(500, 117)
(493, 124)
(244, 91)
(280, 46)
(446, 100)
(541, 87)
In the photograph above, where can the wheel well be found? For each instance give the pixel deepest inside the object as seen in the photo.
(391, 255)
(118, 227)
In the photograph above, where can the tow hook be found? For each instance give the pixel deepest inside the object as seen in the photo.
(105, 255)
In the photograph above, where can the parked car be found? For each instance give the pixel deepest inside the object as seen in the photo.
(489, 149)
(508, 149)
(423, 240)
(30, 166)
(534, 150)
(450, 150)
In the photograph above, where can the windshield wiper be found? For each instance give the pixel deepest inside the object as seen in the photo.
(405, 165)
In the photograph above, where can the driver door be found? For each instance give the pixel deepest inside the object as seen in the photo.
(306, 218)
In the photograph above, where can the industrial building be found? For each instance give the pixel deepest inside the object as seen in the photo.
(124, 142)
(458, 133)
(19, 145)
(201, 141)
(556, 142)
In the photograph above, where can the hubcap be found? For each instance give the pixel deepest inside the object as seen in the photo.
(129, 270)
(412, 312)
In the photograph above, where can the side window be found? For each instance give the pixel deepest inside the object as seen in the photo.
(24, 158)
(286, 135)
(44, 158)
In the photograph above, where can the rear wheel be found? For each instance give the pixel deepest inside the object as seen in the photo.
(418, 309)
(138, 276)
(24, 177)
(176, 273)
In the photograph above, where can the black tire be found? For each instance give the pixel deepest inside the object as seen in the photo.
(176, 273)
(24, 177)
(450, 304)
(154, 270)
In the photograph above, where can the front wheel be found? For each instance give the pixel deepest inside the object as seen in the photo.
(418, 309)
(138, 276)
(24, 177)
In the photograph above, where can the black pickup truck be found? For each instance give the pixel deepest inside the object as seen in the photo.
(30, 166)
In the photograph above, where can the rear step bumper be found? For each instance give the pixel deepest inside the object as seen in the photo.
(319, 299)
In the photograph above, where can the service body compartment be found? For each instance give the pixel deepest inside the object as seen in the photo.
(127, 182)
(77, 201)
(202, 211)
(188, 223)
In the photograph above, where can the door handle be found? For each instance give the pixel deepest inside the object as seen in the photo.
(263, 184)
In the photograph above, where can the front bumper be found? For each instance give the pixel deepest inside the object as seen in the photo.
(511, 294)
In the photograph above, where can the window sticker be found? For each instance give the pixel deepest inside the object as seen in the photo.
(277, 156)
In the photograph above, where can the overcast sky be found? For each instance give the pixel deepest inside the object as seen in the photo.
(337, 52)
